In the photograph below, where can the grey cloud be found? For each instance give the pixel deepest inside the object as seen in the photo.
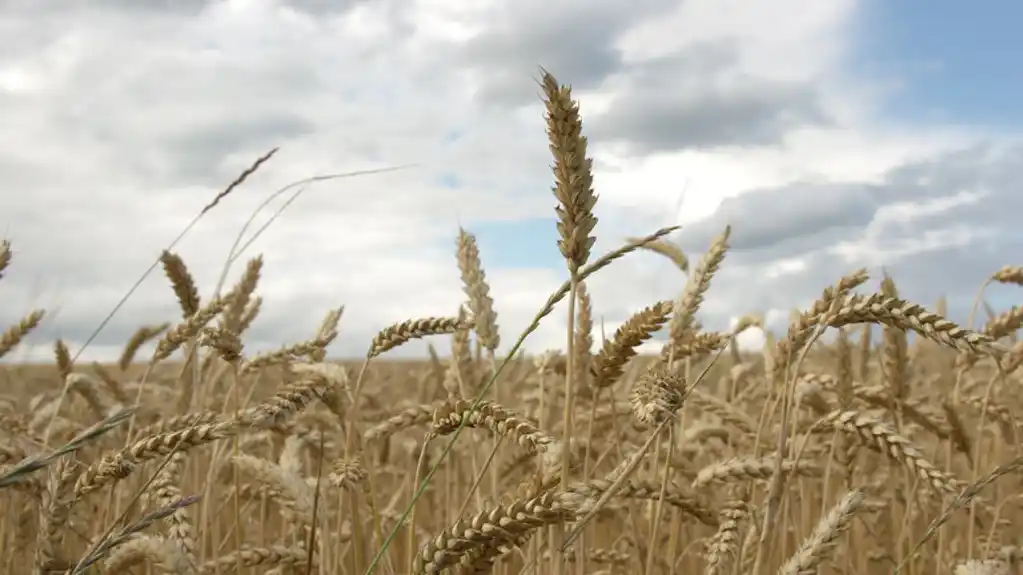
(573, 39)
(795, 214)
(192, 143)
(180, 101)
(795, 219)
(991, 172)
(806, 222)
(198, 155)
(697, 99)
(653, 121)
(324, 7)
(178, 7)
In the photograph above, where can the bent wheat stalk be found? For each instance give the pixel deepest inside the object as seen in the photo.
(548, 307)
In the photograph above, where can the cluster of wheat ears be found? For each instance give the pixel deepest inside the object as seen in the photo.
(803, 456)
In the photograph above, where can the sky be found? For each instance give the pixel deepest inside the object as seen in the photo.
(830, 135)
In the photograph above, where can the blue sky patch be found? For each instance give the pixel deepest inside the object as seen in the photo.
(528, 243)
(450, 180)
(958, 61)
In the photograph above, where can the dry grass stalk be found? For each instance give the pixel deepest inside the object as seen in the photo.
(724, 546)
(670, 250)
(821, 544)
(182, 283)
(609, 363)
(138, 339)
(403, 332)
(14, 334)
(683, 315)
(474, 283)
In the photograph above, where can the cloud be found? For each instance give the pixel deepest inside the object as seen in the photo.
(699, 99)
(122, 119)
(772, 218)
(574, 37)
(939, 227)
(910, 200)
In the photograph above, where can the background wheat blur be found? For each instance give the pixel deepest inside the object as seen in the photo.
(844, 445)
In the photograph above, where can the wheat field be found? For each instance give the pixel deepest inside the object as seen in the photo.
(873, 436)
